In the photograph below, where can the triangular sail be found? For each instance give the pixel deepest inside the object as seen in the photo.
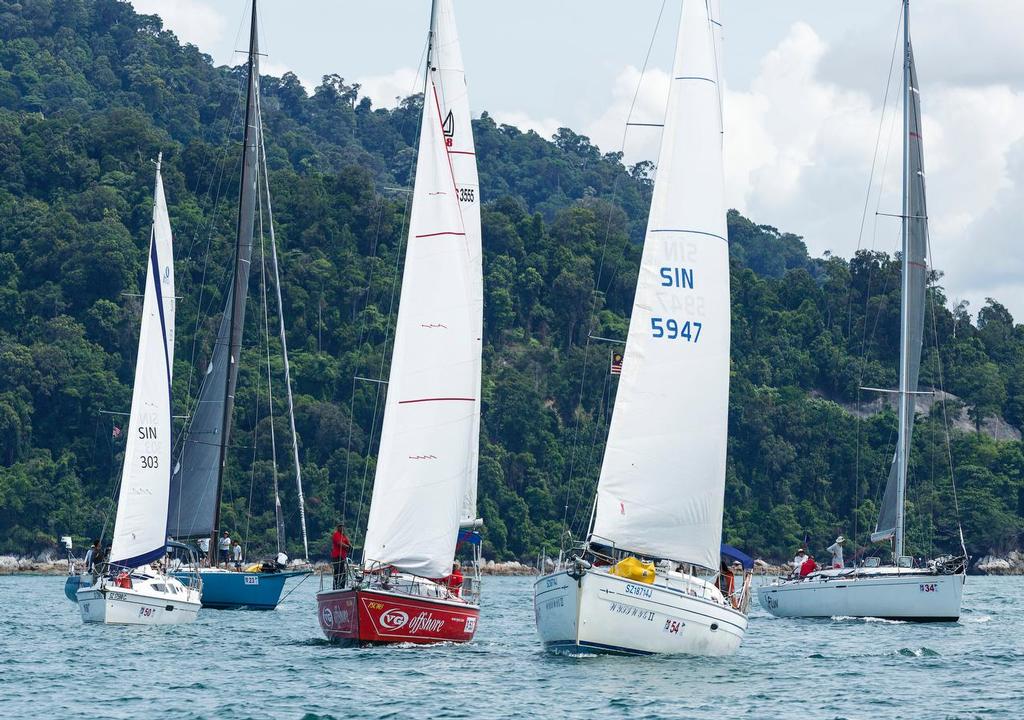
(429, 441)
(195, 487)
(140, 528)
(453, 99)
(662, 484)
(916, 267)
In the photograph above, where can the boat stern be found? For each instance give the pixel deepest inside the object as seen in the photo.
(556, 610)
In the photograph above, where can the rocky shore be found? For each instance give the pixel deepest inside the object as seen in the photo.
(1011, 564)
(44, 565)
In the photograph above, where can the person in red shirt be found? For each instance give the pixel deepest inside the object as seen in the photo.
(340, 546)
(808, 567)
(455, 580)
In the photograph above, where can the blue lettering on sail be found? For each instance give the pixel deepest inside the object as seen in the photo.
(676, 277)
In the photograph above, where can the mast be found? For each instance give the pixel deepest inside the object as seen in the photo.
(905, 404)
(243, 257)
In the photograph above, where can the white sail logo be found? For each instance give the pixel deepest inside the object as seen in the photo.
(393, 619)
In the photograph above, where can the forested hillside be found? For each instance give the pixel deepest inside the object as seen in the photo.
(90, 92)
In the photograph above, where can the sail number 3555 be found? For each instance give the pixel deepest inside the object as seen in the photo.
(672, 329)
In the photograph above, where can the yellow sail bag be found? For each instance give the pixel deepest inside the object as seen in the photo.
(634, 569)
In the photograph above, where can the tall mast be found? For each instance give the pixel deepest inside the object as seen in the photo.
(243, 256)
(904, 395)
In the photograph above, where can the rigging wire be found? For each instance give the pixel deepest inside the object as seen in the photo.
(604, 246)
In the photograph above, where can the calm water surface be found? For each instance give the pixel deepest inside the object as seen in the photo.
(234, 665)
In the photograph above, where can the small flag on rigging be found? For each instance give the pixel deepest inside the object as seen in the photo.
(616, 368)
(116, 432)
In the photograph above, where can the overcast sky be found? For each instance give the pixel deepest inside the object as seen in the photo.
(805, 82)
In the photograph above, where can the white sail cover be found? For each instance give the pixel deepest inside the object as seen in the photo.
(662, 483)
(164, 250)
(453, 98)
(140, 528)
(429, 441)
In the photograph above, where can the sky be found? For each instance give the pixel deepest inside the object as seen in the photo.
(804, 114)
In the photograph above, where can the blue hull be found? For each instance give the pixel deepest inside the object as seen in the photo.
(73, 583)
(241, 590)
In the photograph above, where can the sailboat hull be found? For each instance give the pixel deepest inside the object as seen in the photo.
(374, 617)
(149, 602)
(231, 590)
(889, 593)
(602, 613)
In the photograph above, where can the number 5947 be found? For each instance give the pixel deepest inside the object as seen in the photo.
(672, 329)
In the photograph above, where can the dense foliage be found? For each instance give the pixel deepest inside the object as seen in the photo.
(90, 92)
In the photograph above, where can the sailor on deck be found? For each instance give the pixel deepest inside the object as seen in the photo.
(798, 561)
(836, 549)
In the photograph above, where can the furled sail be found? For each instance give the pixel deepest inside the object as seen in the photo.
(662, 483)
(429, 441)
(195, 485)
(140, 527)
(453, 99)
(916, 267)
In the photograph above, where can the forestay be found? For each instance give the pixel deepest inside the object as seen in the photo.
(662, 482)
(429, 441)
(453, 99)
(916, 268)
(140, 527)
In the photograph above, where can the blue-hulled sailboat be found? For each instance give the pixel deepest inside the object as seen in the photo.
(196, 485)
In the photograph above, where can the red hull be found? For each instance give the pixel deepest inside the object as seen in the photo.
(358, 617)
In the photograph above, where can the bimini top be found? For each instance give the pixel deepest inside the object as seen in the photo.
(728, 551)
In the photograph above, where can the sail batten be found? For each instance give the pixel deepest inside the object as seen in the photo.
(425, 484)
(661, 489)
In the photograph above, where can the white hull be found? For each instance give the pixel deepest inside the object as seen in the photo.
(608, 614)
(891, 593)
(150, 601)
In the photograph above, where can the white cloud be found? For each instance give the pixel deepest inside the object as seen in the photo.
(193, 21)
(545, 127)
(799, 150)
(388, 90)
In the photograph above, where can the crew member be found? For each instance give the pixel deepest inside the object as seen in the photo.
(455, 580)
(236, 552)
(798, 561)
(92, 557)
(204, 549)
(340, 546)
(836, 549)
(224, 545)
(726, 579)
(808, 567)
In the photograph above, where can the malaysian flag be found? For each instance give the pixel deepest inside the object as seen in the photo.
(616, 368)
(116, 432)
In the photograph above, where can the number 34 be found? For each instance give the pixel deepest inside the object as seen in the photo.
(670, 329)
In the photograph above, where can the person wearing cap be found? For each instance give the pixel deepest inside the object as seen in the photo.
(798, 561)
(836, 549)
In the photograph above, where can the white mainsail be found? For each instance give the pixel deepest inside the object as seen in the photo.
(430, 438)
(662, 484)
(140, 528)
(453, 100)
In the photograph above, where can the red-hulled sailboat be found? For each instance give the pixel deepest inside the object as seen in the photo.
(424, 494)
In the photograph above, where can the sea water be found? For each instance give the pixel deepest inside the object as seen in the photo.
(239, 664)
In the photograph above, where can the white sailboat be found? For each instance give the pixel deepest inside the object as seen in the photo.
(130, 590)
(425, 484)
(635, 587)
(900, 591)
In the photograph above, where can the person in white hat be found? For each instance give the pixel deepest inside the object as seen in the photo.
(836, 549)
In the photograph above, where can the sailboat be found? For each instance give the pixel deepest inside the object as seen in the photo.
(643, 582)
(900, 591)
(424, 493)
(132, 589)
(194, 508)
